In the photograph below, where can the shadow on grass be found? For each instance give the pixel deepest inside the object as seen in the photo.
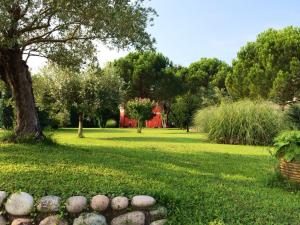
(158, 139)
(96, 130)
(199, 185)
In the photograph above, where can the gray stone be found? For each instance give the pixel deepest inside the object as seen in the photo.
(76, 204)
(53, 220)
(159, 222)
(19, 204)
(3, 196)
(132, 218)
(159, 213)
(142, 201)
(99, 203)
(119, 203)
(2, 220)
(90, 219)
(22, 221)
(49, 204)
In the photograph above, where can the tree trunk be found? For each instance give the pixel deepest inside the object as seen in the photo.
(139, 126)
(14, 71)
(80, 126)
(187, 128)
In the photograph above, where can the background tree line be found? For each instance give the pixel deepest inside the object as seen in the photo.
(268, 68)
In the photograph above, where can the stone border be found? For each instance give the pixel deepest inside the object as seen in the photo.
(20, 209)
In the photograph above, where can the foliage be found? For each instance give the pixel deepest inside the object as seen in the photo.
(6, 108)
(140, 109)
(243, 122)
(111, 123)
(144, 73)
(90, 93)
(287, 146)
(293, 114)
(203, 84)
(207, 72)
(64, 31)
(183, 110)
(197, 181)
(268, 67)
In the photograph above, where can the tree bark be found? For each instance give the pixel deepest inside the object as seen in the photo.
(14, 72)
(80, 126)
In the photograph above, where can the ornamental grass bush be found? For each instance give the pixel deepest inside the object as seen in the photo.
(243, 122)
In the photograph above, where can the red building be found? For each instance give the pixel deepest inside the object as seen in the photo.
(155, 122)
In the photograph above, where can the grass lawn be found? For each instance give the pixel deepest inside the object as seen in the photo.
(197, 181)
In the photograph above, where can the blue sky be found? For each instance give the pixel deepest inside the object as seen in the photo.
(187, 30)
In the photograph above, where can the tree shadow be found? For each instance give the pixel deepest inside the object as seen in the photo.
(157, 139)
(201, 184)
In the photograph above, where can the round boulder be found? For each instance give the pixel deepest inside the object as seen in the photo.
(22, 221)
(49, 204)
(90, 219)
(158, 214)
(159, 222)
(132, 218)
(100, 203)
(119, 203)
(3, 196)
(76, 204)
(142, 201)
(53, 220)
(2, 221)
(19, 204)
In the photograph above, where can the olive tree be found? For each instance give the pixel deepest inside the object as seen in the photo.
(88, 92)
(63, 31)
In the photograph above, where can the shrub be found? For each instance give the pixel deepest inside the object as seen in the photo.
(287, 146)
(293, 115)
(111, 123)
(242, 122)
(140, 109)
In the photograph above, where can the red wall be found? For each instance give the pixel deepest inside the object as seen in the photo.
(155, 122)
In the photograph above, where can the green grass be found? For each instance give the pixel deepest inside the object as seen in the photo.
(198, 181)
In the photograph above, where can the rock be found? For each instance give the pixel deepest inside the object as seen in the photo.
(22, 221)
(76, 204)
(3, 196)
(159, 222)
(90, 219)
(49, 204)
(142, 201)
(119, 203)
(99, 203)
(53, 220)
(159, 213)
(2, 220)
(132, 218)
(19, 204)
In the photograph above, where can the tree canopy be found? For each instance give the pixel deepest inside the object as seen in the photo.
(146, 74)
(262, 66)
(66, 32)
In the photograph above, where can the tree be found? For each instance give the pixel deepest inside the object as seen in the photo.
(142, 73)
(202, 84)
(87, 92)
(286, 84)
(207, 72)
(149, 75)
(62, 31)
(140, 110)
(262, 65)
